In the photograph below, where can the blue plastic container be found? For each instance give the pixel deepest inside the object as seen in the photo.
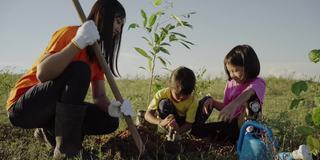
(250, 146)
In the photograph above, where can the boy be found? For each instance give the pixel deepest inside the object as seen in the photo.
(176, 105)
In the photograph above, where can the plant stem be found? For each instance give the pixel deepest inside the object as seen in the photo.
(151, 79)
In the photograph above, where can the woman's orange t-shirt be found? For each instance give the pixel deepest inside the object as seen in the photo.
(59, 40)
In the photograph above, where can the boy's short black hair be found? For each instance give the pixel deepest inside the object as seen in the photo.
(182, 80)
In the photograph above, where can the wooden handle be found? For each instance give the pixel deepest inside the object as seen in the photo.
(103, 64)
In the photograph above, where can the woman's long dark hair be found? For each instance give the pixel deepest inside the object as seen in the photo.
(103, 13)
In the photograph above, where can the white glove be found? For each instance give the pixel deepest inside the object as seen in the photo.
(114, 109)
(302, 153)
(86, 35)
(126, 108)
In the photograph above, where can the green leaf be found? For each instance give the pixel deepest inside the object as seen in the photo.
(187, 42)
(314, 55)
(188, 15)
(177, 19)
(162, 61)
(164, 50)
(165, 44)
(298, 87)
(133, 25)
(152, 19)
(144, 17)
(157, 38)
(185, 45)
(317, 100)
(313, 144)
(172, 37)
(310, 143)
(179, 34)
(169, 27)
(308, 119)
(164, 31)
(186, 24)
(157, 2)
(305, 130)
(163, 34)
(316, 144)
(295, 103)
(316, 116)
(166, 68)
(143, 68)
(160, 13)
(156, 50)
(142, 52)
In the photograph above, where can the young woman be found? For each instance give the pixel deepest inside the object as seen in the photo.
(50, 96)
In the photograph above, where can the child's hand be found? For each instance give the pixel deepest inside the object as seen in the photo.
(207, 106)
(164, 123)
(173, 124)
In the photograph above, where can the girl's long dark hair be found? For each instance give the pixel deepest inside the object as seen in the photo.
(103, 13)
(243, 56)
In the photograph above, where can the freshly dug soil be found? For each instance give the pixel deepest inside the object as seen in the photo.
(157, 147)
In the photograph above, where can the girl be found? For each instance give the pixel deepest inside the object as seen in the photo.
(51, 94)
(242, 67)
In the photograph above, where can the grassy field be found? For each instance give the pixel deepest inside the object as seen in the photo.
(17, 143)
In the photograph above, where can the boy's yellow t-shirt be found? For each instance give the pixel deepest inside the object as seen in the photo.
(186, 108)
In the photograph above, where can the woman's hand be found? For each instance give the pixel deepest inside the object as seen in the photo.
(86, 35)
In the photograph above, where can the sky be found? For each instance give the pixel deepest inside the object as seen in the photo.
(282, 32)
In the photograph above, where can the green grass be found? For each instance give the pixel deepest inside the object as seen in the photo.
(17, 143)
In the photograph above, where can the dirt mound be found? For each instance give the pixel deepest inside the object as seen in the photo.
(157, 147)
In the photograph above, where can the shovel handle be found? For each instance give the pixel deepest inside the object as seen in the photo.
(103, 64)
